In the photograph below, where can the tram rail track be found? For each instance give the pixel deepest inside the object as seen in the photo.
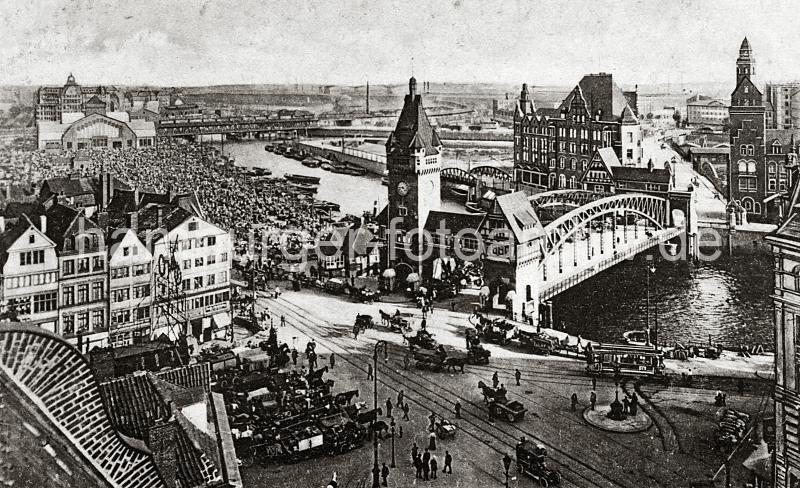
(566, 460)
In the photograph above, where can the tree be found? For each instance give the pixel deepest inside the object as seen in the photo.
(726, 124)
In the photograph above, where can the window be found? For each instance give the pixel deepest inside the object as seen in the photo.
(31, 239)
(751, 166)
(141, 291)
(126, 251)
(83, 265)
(187, 264)
(561, 162)
(97, 290)
(211, 259)
(83, 293)
(629, 154)
(123, 272)
(402, 211)
(121, 295)
(142, 313)
(742, 167)
(68, 296)
(212, 279)
(186, 284)
(198, 262)
(572, 182)
(223, 276)
(572, 164)
(223, 257)
(141, 269)
(69, 324)
(31, 257)
(212, 240)
(552, 163)
(45, 302)
(83, 322)
(562, 181)
(98, 263)
(192, 226)
(748, 184)
(97, 320)
(771, 184)
(198, 282)
(121, 317)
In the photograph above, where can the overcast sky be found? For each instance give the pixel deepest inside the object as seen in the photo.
(176, 42)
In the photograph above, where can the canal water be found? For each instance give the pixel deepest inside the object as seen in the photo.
(727, 299)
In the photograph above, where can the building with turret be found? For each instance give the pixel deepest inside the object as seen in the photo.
(52, 102)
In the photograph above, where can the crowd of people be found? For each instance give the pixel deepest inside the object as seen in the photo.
(229, 196)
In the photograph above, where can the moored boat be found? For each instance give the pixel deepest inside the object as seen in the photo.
(326, 166)
(460, 191)
(310, 162)
(303, 187)
(314, 180)
(269, 147)
(355, 171)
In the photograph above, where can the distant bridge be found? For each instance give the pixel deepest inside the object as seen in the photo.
(232, 125)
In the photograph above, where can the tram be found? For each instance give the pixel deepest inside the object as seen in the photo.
(627, 359)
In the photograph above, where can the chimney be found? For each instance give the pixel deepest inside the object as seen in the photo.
(133, 222)
(136, 198)
(368, 98)
(43, 223)
(159, 215)
(8, 192)
(162, 439)
(2, 224)
(104, 189)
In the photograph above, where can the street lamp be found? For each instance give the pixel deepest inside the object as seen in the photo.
(375, 470)
(651, 269)
(392, 424)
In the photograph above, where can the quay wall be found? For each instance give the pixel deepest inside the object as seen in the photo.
(373, 163)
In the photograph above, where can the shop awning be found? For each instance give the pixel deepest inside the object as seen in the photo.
(221, 319)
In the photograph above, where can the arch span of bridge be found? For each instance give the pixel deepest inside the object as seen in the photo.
(572, 248)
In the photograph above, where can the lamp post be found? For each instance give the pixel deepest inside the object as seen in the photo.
(375, 470)
(392, 425)
(651, 269)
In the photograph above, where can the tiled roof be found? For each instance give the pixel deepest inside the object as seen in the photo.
(600, 93)
(627, 173)
(710, 150)
(137, 403)
(453, 222)
(95, 101)
(69, 187)
(58, 380)
(413, 129)
(520, 216)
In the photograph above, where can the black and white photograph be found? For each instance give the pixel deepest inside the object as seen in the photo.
(399, 243)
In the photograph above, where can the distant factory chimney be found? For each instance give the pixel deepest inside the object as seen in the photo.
(367, 97)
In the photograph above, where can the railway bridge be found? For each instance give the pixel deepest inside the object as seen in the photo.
(589, 233)
(240, 125)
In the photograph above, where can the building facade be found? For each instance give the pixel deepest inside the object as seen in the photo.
(552, 148)
(52, 102)
(29, 273)
(706, 111)
(785, 243)
(784, 104)
(130, 289)
(97, 131)
(758, 174)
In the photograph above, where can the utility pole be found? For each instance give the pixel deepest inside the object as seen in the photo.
(375, 470)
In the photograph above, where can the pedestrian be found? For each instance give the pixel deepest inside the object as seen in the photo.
(332, 360)
(369, 371)
(426, 467)
(283, 321)
(434, 467)
(384, 473)
(405, 411)
(388, 407)
(405, 359)
(495, 380)
(432, 441)
(517, 375)
(418, 466)
(458, 409)
(432, 420)
(574, 401)
(401, 430)
(594, 382)
(400, 396)
(626, 405)
(491, 411)
(356, 330)
(424, 322)
(634, 403)
(593, 399)
(448, 463)
(452, 305)
(414, 452)
(294, 357)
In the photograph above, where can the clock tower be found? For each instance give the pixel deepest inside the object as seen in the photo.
(413, 160)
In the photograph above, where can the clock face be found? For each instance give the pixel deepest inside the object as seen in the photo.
(402, 188)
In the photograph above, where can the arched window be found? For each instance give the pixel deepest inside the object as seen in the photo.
(771, 168)
(743, 149)
(750, 150)
(747, 203)
(742, 167)
(552, 163)
(572, 182)
(796, 273)
(562, 181)
(751, 166)
(552, 180)
(561, 162)
(585, 164)
(572, 163)
(757, 207)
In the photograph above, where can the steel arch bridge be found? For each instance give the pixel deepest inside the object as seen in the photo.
(557, 232)
(492, 172)
(458, 175)
(572, 197)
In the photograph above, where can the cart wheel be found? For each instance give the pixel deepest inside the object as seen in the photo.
(543, 482)
(510, 417)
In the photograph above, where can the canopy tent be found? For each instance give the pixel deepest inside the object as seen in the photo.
(413, 278)
(389, 273)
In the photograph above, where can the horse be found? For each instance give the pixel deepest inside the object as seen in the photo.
(380, 428)
(451, 363)
(346, 397)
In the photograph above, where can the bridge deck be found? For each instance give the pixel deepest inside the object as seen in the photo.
(576, 266)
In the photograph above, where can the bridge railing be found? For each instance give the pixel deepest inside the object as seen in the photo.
(364, 155)
(573, 280)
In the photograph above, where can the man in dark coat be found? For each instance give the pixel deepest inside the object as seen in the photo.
(434, 467)
(495, 380)
(426, 459)
(414, 452)
(385, 473)
(294, 356)
(388, 407)
(517, 375)
(418, 466)
(448, 463)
